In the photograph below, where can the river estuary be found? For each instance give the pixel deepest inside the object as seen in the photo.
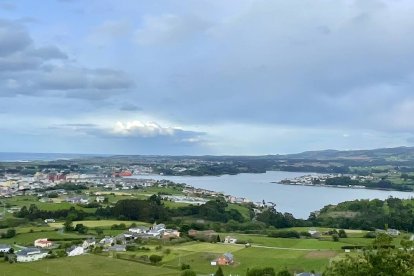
(295, 199)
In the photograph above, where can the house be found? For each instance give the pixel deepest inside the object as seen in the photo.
(75, 251)
(100, 199)
(170, 234)
(314, 233)
(107, 241)
(43, 243)
(229, 239)
(88, 243)
(157, 230)
(49, 220)
(30, 254)
(5, 248)
(121, 238)
(77, 200)
(117, 248)
(138, 229)
(393, 232)
(225, 259)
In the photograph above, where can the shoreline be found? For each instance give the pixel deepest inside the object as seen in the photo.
(342, 187)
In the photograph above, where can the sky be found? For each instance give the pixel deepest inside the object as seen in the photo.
(195, 77)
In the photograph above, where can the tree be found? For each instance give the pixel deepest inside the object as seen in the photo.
(267, 271)
(188, 272)
(81, 229)
(99, 231)
(284, 272)
(372, 263)
(68, 225)
(382, 240)
(10, 233)
(185, 266)
(154, 259)
(219, 272)
(342, 233)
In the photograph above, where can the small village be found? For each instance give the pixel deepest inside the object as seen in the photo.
(320, 180)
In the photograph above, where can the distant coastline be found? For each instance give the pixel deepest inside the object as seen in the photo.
(25, 157)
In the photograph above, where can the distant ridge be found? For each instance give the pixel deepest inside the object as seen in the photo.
(26, 157)
(401, 153)
(392, 154)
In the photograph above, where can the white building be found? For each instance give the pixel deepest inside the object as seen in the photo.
(88, 243)
(139, 229)
(5, 248)
(393, 232)
(229, 239)
(75, 251)
(30, 254)
(100, 199)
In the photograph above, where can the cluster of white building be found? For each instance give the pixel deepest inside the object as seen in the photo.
(41, 248)
(186, 199)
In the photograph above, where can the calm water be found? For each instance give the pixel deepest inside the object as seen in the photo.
(298, 200)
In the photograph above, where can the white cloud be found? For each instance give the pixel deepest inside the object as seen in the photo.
(142, 129)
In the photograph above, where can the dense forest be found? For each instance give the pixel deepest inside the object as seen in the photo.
(368, 214)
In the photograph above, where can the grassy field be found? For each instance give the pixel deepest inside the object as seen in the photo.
(20, 201)
(290, 243)
(99, 223)
(27, 239)
(199, 256)
(88, 265)
(279, 253)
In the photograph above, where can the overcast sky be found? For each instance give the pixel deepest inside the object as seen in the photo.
(205, 77)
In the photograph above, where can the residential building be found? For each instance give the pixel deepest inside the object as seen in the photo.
(30, 254)
(107, 241)
(75, 251)
(43, 243)
(225, 259)
(88, 243)
(229, 239)
(393, 232)
(5, 248)
(139, 229)
(170, 234)
(100, 199)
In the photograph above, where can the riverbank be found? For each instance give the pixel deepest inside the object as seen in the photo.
(297, 200)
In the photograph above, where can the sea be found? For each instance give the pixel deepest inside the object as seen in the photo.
(26, 157)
